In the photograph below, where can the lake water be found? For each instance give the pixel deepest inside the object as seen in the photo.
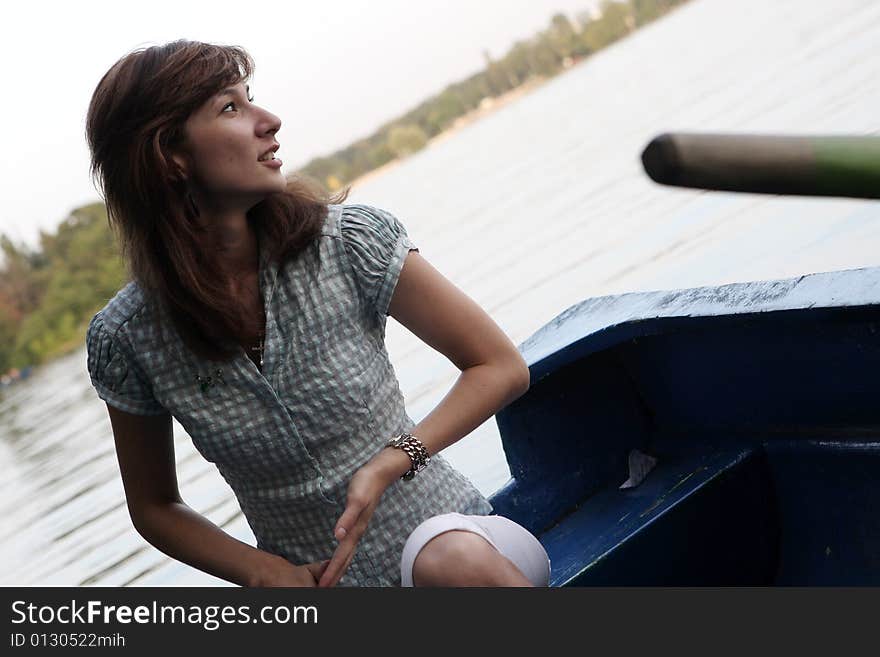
(529, 211)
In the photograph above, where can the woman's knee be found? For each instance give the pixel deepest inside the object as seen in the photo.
(459, 558)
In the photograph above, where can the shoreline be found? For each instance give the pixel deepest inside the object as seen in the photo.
(480, 112)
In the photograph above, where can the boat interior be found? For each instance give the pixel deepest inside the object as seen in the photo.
(765, 430)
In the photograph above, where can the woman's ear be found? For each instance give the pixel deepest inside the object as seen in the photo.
(180, 166)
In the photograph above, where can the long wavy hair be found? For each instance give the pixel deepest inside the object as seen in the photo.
(134, 122)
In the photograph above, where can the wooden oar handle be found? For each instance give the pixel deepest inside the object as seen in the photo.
(809, 166)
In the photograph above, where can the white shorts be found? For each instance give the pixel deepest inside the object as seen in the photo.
(511, 539)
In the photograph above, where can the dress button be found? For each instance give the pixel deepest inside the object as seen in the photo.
(327, 490)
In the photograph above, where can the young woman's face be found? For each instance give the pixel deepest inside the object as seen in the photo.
(226, 139)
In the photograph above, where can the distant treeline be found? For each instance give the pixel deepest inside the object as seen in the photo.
(49, 294)
(549, 52)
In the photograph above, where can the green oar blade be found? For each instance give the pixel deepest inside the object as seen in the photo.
(808, 166)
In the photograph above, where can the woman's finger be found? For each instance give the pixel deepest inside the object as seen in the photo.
(341, 555)
(345, 551)
(347, 520)
(363, 496)
(339, 562)
(331, 578)
(344, 568)
(336, 562)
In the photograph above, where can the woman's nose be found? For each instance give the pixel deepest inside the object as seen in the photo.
(271, 123)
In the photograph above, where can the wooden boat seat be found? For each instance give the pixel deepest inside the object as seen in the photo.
(704, 518)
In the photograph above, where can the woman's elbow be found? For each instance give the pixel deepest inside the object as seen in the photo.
(146, 518)
(520, 377)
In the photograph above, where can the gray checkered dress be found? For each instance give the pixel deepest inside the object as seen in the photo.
(289, 439)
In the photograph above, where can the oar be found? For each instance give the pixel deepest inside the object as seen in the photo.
(808, 166)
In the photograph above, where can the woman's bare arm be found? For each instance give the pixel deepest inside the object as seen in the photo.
(493, 372)
(145, 451)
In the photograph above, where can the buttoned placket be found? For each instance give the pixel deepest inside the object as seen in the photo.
(268, 278)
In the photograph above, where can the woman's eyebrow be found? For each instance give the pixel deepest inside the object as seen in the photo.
(232, 91)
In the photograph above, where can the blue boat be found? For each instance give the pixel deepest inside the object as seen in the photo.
(716, 436)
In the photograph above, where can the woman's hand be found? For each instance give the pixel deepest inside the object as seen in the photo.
(280, 572)
(364, 492)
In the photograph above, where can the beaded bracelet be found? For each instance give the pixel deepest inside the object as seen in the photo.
(415, 450)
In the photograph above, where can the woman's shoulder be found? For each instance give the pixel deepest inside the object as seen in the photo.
(127, 305)
(348, 215)
(342, 218)
(362, 227)
(375, 244)
(113, 355)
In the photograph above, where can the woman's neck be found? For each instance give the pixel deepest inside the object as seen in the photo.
(236, 244)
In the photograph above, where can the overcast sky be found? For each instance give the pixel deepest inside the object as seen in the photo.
(333, 71)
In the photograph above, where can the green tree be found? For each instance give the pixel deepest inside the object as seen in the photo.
(518, 63)
(543, 60)
(444, 110)
(646, 10)
(406, 139)
(498, 78)
(562, 36)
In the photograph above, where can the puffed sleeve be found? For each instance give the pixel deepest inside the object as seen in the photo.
(115, 376)
(377, 245)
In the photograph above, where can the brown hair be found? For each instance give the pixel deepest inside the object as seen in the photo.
(135, 119)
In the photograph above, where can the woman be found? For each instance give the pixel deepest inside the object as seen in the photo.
(256, 317)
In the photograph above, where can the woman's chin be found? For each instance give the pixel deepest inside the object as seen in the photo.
(281, 186)
(272, 191)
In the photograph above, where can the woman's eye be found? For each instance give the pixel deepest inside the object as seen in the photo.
(232, 103)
